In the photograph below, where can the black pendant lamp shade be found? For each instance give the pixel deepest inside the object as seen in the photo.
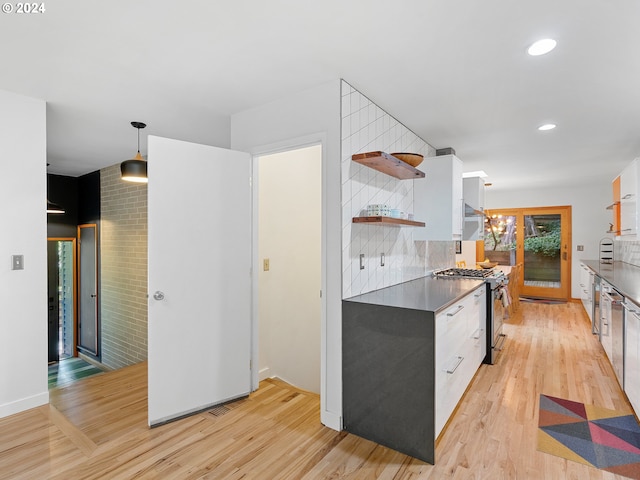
(135, 170)
(54, 208)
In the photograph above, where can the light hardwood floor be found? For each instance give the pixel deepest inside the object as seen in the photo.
(96, 428)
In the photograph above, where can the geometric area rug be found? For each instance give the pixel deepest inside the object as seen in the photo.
(591, 435)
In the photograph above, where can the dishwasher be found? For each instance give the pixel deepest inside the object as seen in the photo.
(612, 329)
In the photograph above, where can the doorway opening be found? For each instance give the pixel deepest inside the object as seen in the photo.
(539, 238)
(289, 265)
(61, 293)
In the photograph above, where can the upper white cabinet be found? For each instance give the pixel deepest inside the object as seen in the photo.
(473, 192)
(438, 199)
(628, 200)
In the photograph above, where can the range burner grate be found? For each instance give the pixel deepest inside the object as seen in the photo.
(464, 273)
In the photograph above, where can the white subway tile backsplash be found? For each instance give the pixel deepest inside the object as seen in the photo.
(367, 127)
(627, 251)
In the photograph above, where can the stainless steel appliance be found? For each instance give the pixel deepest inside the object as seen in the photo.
(612, 330)
(595, 305)
(496, 289)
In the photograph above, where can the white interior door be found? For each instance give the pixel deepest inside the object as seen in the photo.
(199, 221)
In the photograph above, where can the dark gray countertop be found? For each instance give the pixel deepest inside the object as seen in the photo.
(430, 294)
(624, 277)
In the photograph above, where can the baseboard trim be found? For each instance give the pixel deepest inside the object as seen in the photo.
(24, 404)
(331, 420)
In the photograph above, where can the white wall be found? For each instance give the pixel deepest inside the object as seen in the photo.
(589, 216)
(289, 234)
(23, 293)
(310, 116)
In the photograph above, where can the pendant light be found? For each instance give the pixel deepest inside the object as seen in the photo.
(135, 170)
(52, 207)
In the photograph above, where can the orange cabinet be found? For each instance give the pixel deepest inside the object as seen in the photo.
(616, 206)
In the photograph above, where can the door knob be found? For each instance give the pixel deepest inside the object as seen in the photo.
(158, 295)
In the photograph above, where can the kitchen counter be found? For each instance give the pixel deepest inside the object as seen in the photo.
(391, 363)
(429, 294)
(624, 277)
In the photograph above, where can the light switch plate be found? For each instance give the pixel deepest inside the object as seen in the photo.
(17, 262)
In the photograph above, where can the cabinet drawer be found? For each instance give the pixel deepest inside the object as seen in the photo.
(452, 380)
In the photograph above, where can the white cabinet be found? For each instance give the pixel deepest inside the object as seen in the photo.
(460, 343)
(586, 289)
(473, 193)
(438, 199)
(628, 200)
(632, 354)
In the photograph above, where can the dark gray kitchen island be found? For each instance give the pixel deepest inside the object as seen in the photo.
(408, 353)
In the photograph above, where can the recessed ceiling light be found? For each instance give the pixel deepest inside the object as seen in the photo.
(542, 46)
(547, 126)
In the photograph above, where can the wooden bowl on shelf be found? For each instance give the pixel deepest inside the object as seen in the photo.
(413, 159)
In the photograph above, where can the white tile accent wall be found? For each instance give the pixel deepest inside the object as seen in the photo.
(366, 127)
(626, 251)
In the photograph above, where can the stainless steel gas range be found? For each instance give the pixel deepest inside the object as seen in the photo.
(496, 290)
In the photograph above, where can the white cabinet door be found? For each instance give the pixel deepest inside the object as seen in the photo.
(199, 277)
(628, 200)
(586, 286)
(473, 193)
(438, 199)
(458, 352)
(632, 355)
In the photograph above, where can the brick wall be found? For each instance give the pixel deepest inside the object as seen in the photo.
(123, 280)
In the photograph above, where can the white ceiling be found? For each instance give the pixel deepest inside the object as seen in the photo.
(456, 72)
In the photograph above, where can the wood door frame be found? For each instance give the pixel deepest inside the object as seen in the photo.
(75, 286)
(564, 292)
(77, 333)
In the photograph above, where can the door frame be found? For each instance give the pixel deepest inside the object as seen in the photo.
(260, 151)
(97, 353)
(75, 286)
(564, 292)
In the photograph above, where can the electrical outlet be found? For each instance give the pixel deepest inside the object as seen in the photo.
(265, 264)
(580, 248)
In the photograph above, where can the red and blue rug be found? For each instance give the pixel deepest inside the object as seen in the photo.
(591, 435)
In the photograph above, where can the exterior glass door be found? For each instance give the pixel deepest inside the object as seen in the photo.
(539, 239)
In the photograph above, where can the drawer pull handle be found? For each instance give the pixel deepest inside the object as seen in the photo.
(451, 314)
(455, 367)
(478, 295)
(477, 334)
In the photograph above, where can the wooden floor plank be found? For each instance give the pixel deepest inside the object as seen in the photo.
(97, 427)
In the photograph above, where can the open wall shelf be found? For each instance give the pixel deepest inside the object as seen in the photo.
(391, 221)
(385, 163)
